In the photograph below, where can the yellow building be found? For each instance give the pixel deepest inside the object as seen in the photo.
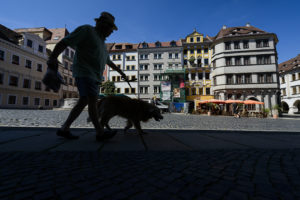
(197, 57)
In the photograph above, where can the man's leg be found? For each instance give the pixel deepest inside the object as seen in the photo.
(75, 112)
(93, 114)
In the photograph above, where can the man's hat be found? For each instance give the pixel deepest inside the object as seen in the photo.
(107, 18)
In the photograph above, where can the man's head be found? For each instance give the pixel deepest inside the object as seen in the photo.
(106, 24)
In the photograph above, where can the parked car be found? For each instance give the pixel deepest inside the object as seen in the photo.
(164, 107)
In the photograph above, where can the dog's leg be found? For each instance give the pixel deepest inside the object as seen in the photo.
(128, 126)
(105, 120)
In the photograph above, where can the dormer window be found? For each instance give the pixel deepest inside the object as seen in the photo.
(157, 44)
(128, 46)
(118, 46)
(173, 43)
(29, 43)
(144, 45)
(41, 48)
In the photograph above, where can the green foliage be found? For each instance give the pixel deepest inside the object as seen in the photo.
(109, 88)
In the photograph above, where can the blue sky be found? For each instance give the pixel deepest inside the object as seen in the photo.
(163, 20)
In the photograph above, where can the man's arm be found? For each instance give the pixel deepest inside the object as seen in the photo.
(114, 67)
(58, 49)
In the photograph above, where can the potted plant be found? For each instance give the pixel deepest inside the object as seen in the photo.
(266, 112)
(275, 111)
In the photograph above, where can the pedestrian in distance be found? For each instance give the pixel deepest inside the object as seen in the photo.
(89, 62)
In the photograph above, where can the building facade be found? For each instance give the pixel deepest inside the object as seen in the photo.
(125, 56)
(23, 60)
(244, 63)
(289, 73)
(154, 60)
(197, 58)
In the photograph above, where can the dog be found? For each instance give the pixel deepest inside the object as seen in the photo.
(134, 110)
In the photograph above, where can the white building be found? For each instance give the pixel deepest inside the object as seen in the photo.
(289, 72)
(244, 63)
(125, 56)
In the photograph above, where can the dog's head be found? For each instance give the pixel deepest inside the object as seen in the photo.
(155, 113)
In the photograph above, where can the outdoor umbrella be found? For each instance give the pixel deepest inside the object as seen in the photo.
(234, 101)
(253, 102)
(216, 101)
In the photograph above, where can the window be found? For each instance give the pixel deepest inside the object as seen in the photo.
(47, 102)
(261, 78)
(118, 46)
(198, 50)
(192, 51)
(269, 78)
(1, 78)
(176, 55)
(194, 91)
(173, 43)
(126, 90)
(283, 92)
(246, 44)
(36, 101)
(145, 45)
(133, 77)
(206, 61)
(12, 100)
(38, 85)
(29, 43)
(170, 56)
(263, 60)
(15, 59)
(229, 79)
(132, 67)
(119, 57)
(239, 79)
(72, 54)
(248, 78)
(215, 81)
(258, 44)
(228, 61)
(198, 39)
(237, 45)
(1, 55)
(71, 81)
(227, 45)
(294, 90)
(191, 39)
(41, 49)
(155, 56)
(67, 52)
(206, 76)
(156, 77)
(206, 50)
(265, 43)
(282, 80)
(28, 64)
(25, 101)
(132, 57)
(39, 67)
(114, 57)
(293, 77)
(27, 83)
(127, 57)
(247, 60)
(185, 51)
(132, 90)
(156, 89)
(238, 61)
(207, 91)
(13, 81)
(146, 56)
(127, 67)
(157, 44)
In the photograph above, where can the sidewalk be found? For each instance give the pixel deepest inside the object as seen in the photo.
(179, 164)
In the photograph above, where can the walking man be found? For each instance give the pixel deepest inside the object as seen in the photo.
(88, 66)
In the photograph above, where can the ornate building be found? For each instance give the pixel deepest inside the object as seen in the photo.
(289, 73)
(197, 58)
(244, 63)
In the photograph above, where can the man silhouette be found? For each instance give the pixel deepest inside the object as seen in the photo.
(89, 62)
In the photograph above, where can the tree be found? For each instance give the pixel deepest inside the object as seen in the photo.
(109, 87)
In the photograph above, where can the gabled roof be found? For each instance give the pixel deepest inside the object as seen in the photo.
(9, 35)
(163, 44)
(239, 31)
(57, 35)
(46, 34)
(193, 33)
(289, 64)
(118, 47)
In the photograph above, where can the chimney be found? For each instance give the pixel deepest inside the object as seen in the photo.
(248, 24)
(224, 27)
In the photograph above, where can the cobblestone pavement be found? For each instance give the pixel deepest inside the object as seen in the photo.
(54, 118)
(208, 174)
(233, 174)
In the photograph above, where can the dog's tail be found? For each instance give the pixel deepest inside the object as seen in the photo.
(99, 102)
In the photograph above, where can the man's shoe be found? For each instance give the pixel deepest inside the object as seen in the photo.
(66, 134)
(106, 136)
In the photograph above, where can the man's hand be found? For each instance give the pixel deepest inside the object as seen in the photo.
(124, 77)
